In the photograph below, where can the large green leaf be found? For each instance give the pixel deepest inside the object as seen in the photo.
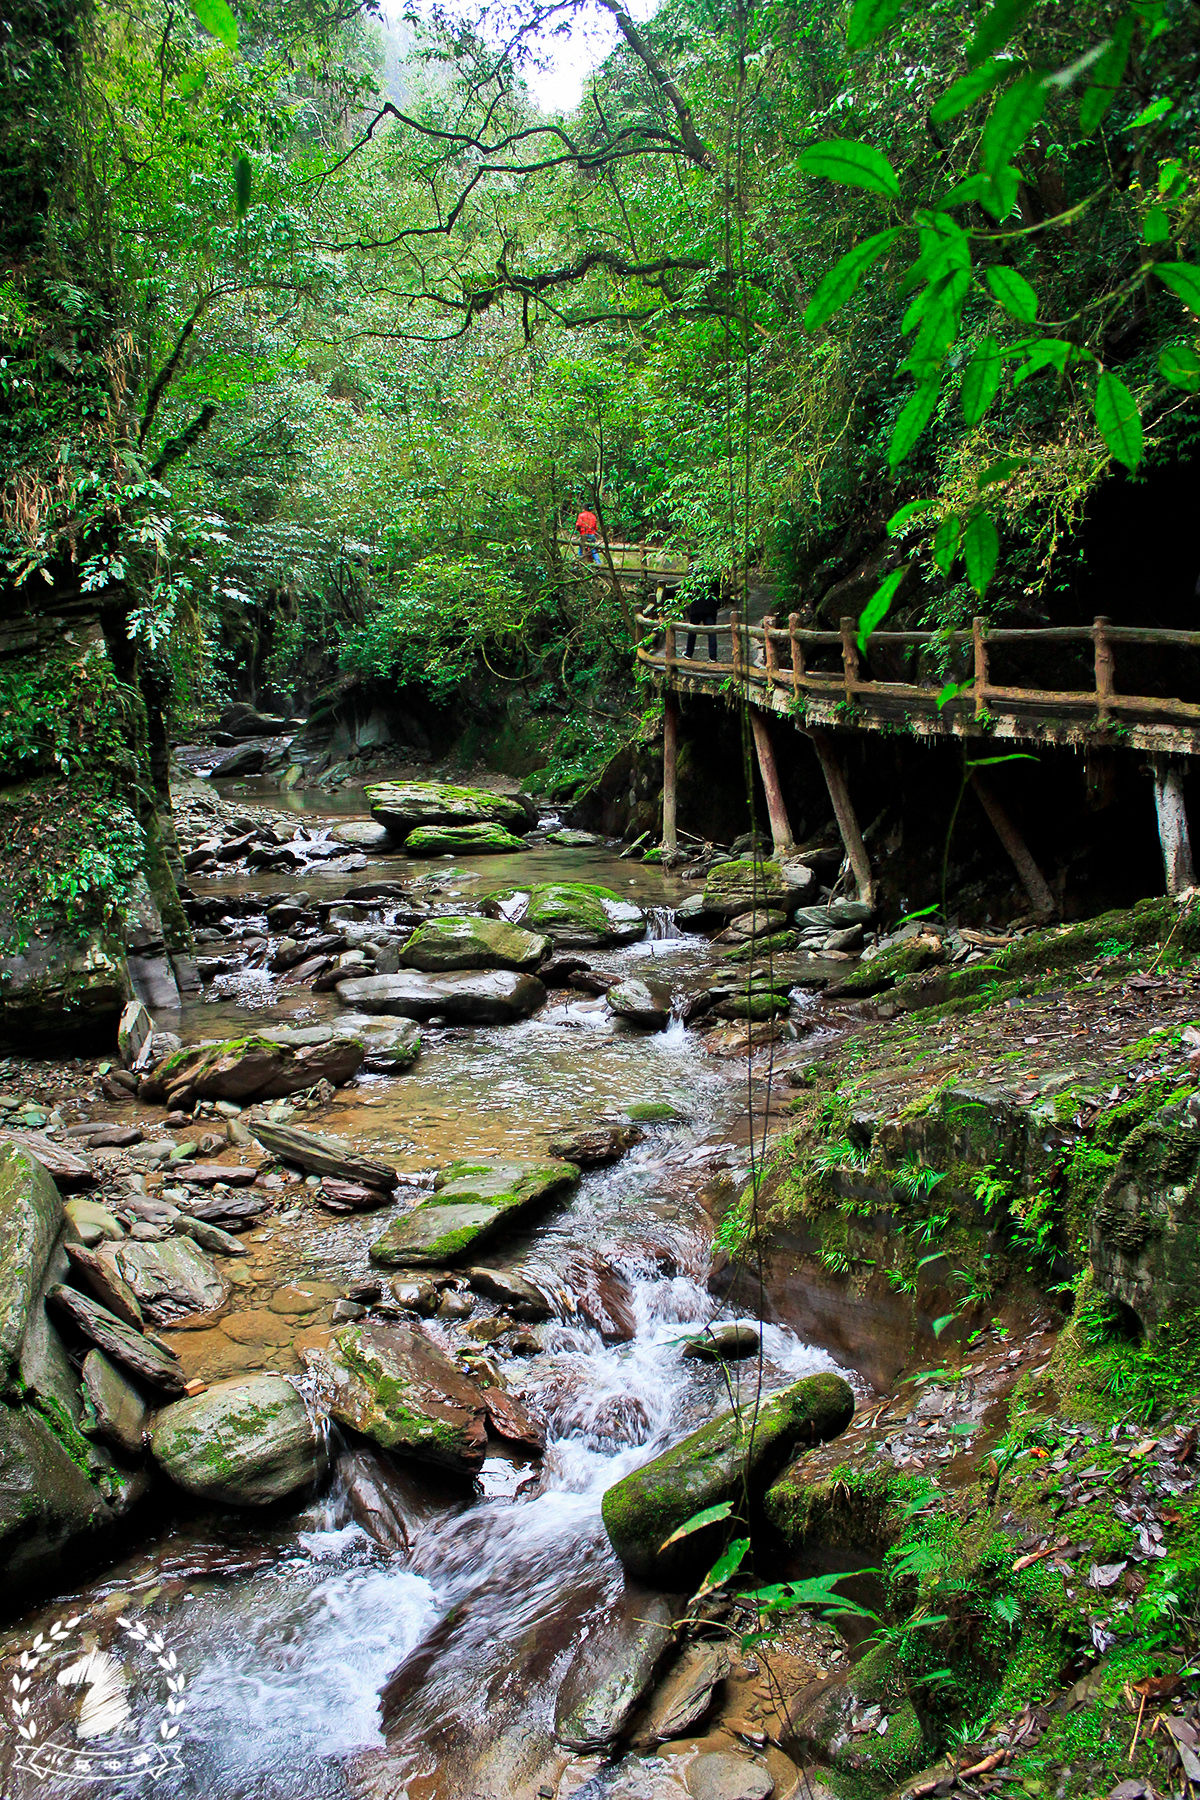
(712, 1515)
(1119, 420)
(1110, 70)
(912, 509)
(1049, 353)
(981, 550)
(939, 326)
(1013, 117)
(1182, 279)
(216, 17)
(723, 1568)
(868, 19)
(1013, 292)
(913, 419)
(852, 165)
(946, 540)
(1180, 365)
(878, 606)
(982, 380)
(999, 195)
(998, 26)
(836, 287)
(1156, 226)
(967, 89)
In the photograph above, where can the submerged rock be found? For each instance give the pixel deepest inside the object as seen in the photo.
(404, 806)
(610, 1672)
(495, 997)
(318, 1153)
(574, 914)
(252, 1068)
(472, 943)
(718, 1775)
(641, 1002)
(462, 840)
(473, 1202)
(717, 1463)
(247, 1442)
(395, 1385)
(596, 1145)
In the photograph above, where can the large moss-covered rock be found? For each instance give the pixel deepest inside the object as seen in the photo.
(472, 1204)
(1145, 1227)
(62, 985)
(574, 914)
(405, 806)
(31, 1216)
(462, 840)
(246, 1442)
(49, 1497)
(393, 1384)
(252, 1068)
(459, 997)
(737, 1452)
(742, 886)
(472, 943)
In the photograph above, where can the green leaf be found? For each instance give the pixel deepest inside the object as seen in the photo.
(912, 509)
(868, 19)
(852, 165)
(981, 550)
(242, 177)
(1049, 353)
(1013, 292)
(836, 287)
(1000, 195)
(216, 18)
(951, 691)
(1119, 421)
(939, 326)
(1180, 365)
(1110, 71)
(1157, 109)
(939, 1325)
(967, 89)
(1000, 470)
(724, 1567)
(912, 421)
(1005, 17)
(711, 1515)
(982, 380)
(1182, 279)
(945, 543)
(1013, 117)
(1156, 227)
(878, 605)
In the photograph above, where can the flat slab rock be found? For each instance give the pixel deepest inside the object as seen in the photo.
(134, 1352)
(393, 1384)
(318, 1153)
(460, 997)
(251, 1068)
(683, 1698)
(402, 806)
(611, 1671)
(473, 1202)
(69, 1173)
(120, 1412)
(716, 1775)
(170, 1279)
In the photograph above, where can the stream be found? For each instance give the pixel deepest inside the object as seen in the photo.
(319, 1665)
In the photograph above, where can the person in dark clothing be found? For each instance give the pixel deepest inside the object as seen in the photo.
(703, 611)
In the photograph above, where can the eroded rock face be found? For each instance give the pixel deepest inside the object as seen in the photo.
(246, 1442)
(712, 1465)
(1145, 1229)
(31, 1215)
(495, 997)
(472, 943)
(252, 1068)
(611, 1671)
(47, 1501)
(462, 840)
(394, 1385)
(472, 1204)
(573, 914)
(404, 806)
(59, 987)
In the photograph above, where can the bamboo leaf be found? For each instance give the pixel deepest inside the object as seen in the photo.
(981, 550)
(967, 89)
(946, 540)
(1157, 109)
(1119, 421)
(1110, 71)
(981, 382)
(1180, 365)
(217, 19)
(1013, 292)
(851, 165)
(868, 19)
(711, 1515)
(912, 421)
(836, 288)
(724, 1567)
(878, 605)
(939, 1325)
(1182, 279)
(1005, 17)
(1014, 116)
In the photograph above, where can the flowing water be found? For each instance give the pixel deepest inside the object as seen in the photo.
(317, 1664)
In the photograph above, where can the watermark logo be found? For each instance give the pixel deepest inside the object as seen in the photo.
(97, 1714)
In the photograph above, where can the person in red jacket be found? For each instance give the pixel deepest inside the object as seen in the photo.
(588, 525)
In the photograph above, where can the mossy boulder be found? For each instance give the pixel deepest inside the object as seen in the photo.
(461, 840)
(472, 943)
(31, 1216)
(396, 1386)
(1145, 1227)
(641, 1002)
(734, 1454)
(251, 1068)
(408, 806)
(246, 1442)
(745, 885)
(49, 1497)
(574, 914)
(61, 985)
(777, 944)
(473, 1202)
(457, 997)
(875, 974)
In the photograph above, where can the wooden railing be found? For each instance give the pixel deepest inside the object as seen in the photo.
(774, 661)
(648, 563)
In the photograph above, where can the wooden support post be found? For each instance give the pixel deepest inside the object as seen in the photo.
(1173, 832)
(979, 645)
(670, 841)
(669, 650)
(1031, 877)
(797, 654)
(1105, 669)
(735, 643)
(843, 811)
(770, 660)
(781, 831)
(849, 630)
